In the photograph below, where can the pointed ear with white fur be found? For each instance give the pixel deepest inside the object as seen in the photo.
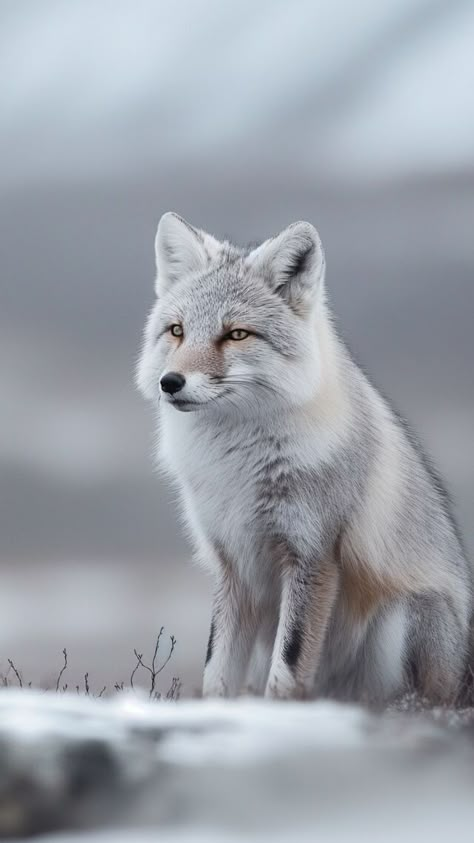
(180, 249)
(292, 264)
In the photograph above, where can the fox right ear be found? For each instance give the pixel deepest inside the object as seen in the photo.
(292, 264)
(180, 249)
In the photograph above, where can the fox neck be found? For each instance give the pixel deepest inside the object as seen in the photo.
(330, 404)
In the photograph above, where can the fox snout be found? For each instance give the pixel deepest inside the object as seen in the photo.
(172, 382)
(183, 392)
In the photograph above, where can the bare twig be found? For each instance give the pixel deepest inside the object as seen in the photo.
(175, 689)
(157, 647)
(16, 673)
(132, 676)
(153, 670)
(173, 645)
(64, 667)
(141, 663)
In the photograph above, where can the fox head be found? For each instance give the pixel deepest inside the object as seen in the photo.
(232, 330)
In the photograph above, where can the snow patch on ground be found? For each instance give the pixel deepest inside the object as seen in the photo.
(120, 769)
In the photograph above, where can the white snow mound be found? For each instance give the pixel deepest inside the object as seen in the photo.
(76, 768)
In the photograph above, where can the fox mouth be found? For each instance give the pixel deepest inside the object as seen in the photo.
(183, 405)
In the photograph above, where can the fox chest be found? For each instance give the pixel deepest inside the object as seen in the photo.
(240, 495)
(226, 491)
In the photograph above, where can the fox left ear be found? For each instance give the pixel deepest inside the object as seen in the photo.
(180, 249)
(292, 264)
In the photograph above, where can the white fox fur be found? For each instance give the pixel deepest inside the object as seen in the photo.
(338, 566)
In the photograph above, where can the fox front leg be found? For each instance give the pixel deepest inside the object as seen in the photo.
(233, 629)
(307, 601)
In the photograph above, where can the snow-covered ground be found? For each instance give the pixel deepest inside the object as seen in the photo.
(83, 769)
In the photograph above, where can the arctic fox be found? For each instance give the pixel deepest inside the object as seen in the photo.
(339, 570)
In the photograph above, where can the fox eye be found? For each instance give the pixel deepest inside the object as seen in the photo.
(176, 330)
(238, 334)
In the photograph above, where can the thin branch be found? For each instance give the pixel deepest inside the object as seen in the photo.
(173, 645)
(16, 673)
(153, 670)
(64, 667)
(157, 647)
(175, 689)
(139, 662)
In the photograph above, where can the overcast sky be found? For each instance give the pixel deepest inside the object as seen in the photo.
(357, 90)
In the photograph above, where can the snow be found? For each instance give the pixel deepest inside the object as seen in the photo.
(84, 769)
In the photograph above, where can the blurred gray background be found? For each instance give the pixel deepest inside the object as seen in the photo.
(242, 116)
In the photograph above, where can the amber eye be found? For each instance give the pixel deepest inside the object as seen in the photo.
(238, 334)
(176, 330)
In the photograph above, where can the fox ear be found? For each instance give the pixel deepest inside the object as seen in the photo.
(180, 249)
(292, 264)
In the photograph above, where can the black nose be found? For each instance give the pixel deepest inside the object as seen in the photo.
(172, 382)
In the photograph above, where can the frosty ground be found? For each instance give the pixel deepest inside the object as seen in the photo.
(75, 768)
